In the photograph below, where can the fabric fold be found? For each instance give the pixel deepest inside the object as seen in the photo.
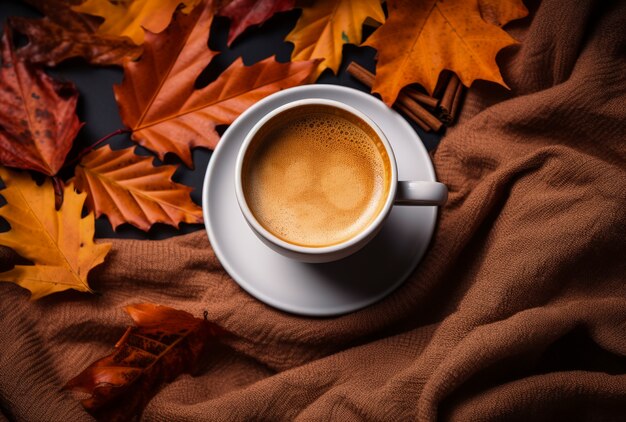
(517, 311)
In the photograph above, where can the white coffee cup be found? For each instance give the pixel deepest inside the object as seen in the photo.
(415, 193)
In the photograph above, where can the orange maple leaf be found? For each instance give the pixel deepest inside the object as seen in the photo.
(422, 38)
(127, 188)
(326, 25)
(129, 18)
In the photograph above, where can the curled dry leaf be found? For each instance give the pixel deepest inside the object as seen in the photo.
(63, 34)
(129, 18)
(60, 12)
(38, 120)
(50, 44)
(158, 100)
(326, 25)
(422, 38)
(128, 188)
(59, 243)
(246, 13)
(163, 344)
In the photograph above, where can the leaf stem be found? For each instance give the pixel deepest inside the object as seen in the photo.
(57, 183)
(91, 147)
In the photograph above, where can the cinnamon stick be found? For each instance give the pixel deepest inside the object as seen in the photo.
(421, 98)
(367, 78)
(442, 82)
(361, 74)
(419, 111)
(456, 102)
(448, 95)
(452, 91)
(401, 107)
(409, 105)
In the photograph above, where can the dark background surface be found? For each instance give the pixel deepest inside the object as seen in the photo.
(97, 107)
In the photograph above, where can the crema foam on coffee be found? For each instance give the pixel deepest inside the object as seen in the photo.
(316, 176)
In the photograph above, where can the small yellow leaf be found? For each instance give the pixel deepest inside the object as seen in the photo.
(326, 25)
(59, 243)
(128, 188)
(129, 18)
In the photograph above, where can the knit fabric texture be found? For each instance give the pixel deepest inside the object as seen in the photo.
(517, 311)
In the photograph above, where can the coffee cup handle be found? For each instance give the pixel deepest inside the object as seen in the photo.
(421, 193)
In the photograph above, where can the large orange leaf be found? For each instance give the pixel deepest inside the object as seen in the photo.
(129, 17)
(59, 243)
(421, 38)
(63, 34)
(164, 343)
(129, 189)
(167, 116)
(167, 71)
(326, 25)
(38, 119)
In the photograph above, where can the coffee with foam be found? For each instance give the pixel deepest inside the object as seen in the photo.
(316, 176)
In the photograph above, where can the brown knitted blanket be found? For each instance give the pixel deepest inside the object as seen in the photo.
(517, 312)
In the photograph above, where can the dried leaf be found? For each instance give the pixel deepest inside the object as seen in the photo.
(420, 39)
(129, 18)
(326, 25)
(60, 12)
(51, 43)
(38, 119)
(158, 101)
(129, 189)
(59, 243)
(164, 78)
(246, 13)
(499, 12)
(164, 343)
(64, 33)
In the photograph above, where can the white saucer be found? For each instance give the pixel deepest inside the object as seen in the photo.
(319, 289)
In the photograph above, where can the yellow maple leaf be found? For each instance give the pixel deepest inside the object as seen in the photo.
(59, 243)
(326, 25)
(130, 17)
(422, 38)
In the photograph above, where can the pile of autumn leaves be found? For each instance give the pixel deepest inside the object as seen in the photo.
(163, 47)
